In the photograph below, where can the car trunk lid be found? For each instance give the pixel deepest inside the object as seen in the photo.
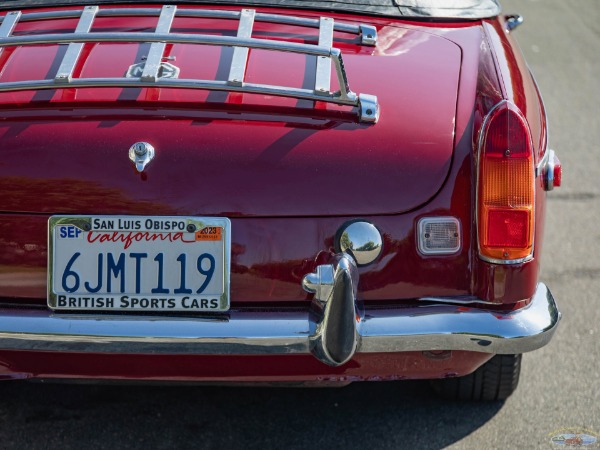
(66, 151)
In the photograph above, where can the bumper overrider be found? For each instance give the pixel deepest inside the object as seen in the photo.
(335, 328)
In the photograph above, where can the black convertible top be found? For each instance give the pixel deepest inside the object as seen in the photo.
(440, 9)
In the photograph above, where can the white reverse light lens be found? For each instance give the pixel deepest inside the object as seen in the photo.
(439, 235)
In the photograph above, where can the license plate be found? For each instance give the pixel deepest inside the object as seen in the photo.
(138, 263)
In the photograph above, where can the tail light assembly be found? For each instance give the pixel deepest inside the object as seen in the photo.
(506, 187)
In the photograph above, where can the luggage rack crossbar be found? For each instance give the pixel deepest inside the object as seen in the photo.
(150, 76)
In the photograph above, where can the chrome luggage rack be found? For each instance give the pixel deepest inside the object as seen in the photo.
(156, 73)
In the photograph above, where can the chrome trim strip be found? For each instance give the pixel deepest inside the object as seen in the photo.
(507, 261)
(368, 33)
(323, 71)
(157, 49)
(420, 328)
(65, 71)
(459, 300)
(544, 113)
(237, 72)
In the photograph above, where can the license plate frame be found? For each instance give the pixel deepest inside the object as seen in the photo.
(205, 242)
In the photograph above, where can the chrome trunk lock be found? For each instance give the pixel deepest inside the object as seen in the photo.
(141, 153)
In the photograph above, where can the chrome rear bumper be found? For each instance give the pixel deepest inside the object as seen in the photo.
(418, 328)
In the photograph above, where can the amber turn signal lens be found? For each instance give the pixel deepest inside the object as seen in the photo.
(506, 186)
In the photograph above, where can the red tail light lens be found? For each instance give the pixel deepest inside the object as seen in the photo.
(507, 228)
(506, 186)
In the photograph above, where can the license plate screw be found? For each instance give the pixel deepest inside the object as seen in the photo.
(87, 226)
(191, 227)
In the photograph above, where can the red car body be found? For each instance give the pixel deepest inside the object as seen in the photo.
(288, 173)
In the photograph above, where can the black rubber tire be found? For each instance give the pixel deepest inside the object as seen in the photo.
(497, 379)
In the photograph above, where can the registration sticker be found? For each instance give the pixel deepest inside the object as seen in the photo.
(138, 263)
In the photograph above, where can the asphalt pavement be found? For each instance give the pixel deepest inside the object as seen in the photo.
(560, 385)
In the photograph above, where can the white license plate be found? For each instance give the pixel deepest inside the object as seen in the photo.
(138, 263)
